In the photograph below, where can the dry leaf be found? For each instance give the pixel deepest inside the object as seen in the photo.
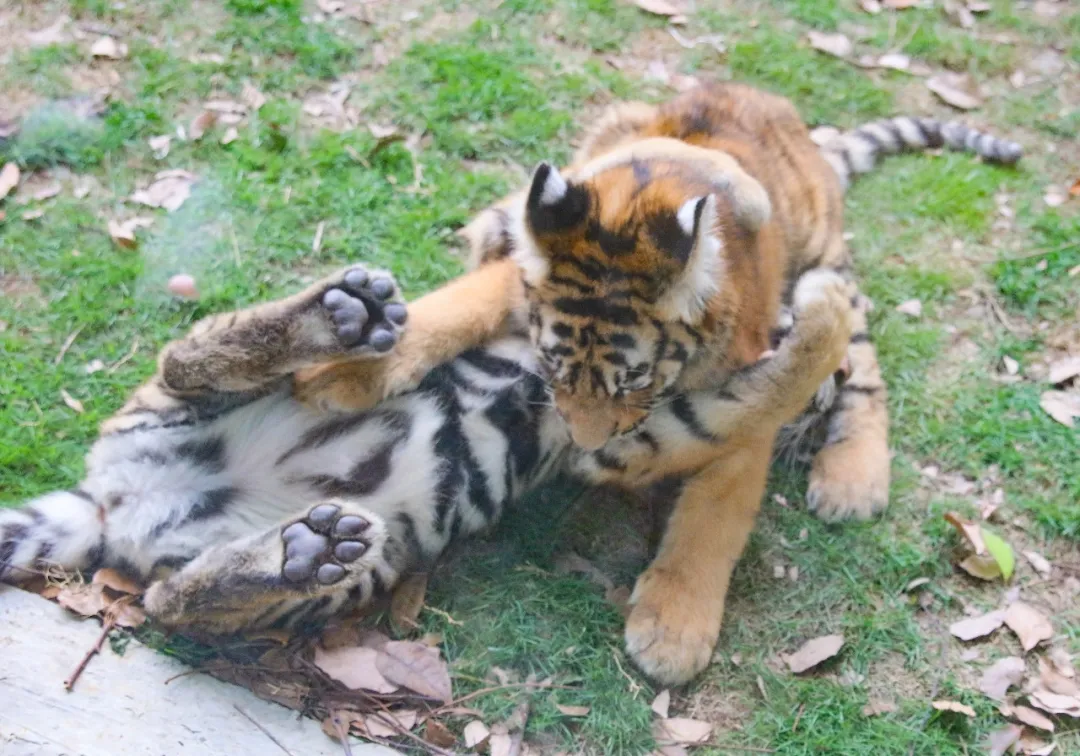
(833, 44)
(662, 703)
(159, 145)
(1064, 370)
(1030, 625)
(355, 668)
(201, 124)
(681, 730)
(574, 711)
(252, 97)
(408, 599)
(1062, 662)
(1029, 717)
(959, 13)
(113, 580)
(71, 401)
(33, 214)
(1038, 562)
(978, 627)
(1055, 196)
(658, 7)
(125, 614)
(1001, 675)
(500, 744)
(1001, 741)
(1055, 703)
(1056, 682)
(1012, 367)
(1032, 746)
(9, 178)
(876, 708)
(415, 666)
(123, 233)
(438, 734)
(912, 307)
(969, 530)
(475, 733)
(170, 190)
(47, 192)
(230, 135)
(381, 724)
(183, 285)
(982, 566)
(954, 706)
(813, 653)
(899, 4)
(82, 598)
(50, 35)
(94, 366)
(873, 7)
(107, 47)
(956, 89)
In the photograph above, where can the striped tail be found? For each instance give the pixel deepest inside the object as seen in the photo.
(853, 152)
(61, 528)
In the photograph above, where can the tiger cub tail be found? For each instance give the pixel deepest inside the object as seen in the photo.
(61, 528)
(857, 151)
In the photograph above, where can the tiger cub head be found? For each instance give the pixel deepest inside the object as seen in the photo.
(619, 268)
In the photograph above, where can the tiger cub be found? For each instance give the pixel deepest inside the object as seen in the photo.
(244, 508)
(659, 262)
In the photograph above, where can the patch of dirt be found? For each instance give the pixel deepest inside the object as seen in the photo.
(20, 290)
(726, 710)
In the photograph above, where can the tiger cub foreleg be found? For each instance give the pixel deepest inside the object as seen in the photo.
(850, 473)
(335, 552)
(355, 312)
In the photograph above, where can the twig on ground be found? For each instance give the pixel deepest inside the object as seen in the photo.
(634, 687)
(798, 717)
(445, 615)
(342, 733)
(262, 729)
(748, 749)
(67, 344)
(126, 357)
(495, 688)
(106, 627)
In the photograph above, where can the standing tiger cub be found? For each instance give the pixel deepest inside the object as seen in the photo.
(659, 262)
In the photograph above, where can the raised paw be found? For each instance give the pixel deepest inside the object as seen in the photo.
(366, 309)
(321, 548)
(671, 630)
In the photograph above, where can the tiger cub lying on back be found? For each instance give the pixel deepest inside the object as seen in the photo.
(244, 508)
(656, 264)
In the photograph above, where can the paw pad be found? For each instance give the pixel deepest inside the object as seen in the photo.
(319, 546)
(364, 311)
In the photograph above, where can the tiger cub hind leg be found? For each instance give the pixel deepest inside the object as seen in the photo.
(337, 552)
(849, 476)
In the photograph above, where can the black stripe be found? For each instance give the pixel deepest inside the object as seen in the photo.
(862, 337)
(211, 503)
(613, 242)
(396, 422)
(608, 461)
(858, 389)
(622, 340)
(412, 540)
(208, 453)
(365, 477)
(930, 128)
(169, 562)
(649, 440)
(597, 309)
(570, 283)
(492, 365)
(683, 410)
(10, 538)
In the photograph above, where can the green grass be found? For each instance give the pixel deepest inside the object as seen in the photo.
(484, 100)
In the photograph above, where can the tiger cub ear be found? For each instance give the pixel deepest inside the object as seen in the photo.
(552, 206)
(689, 293)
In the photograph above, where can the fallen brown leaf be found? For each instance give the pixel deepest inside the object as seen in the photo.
(9, 178)
(661, 704)
(1062, 662)
(1056, 682)
(380, 724)
(1001, 741)
(1028, 716)
(911, 308)
(83, 598)
(1030, 625)
(200, 124)
(230, 135)
(1055, 703)
(813, 653)
(408, 599)
(574, 711)
(1032, 746)
(837, 44)
(355, 668)
(969, 530)
(899, 4)
(956, 89)
(501, 744)
(959, 13)
(159, 145)
(1001, 675)
(982, 566)
(873, 7)
(169, 190)
(125, 614)
(955, 707)
(113, 580)
(71, 401)
(47, 192)
(978, 627)
(342, 719)
(33, 214)
(1054, 196)
(658, 7)
(123, 232)
(252, 97)
(417, 667)
(1064, 370)
(475, 733)
(107, 47)
(1038, 562)
(438, 734)
(681, 731)
(50, 35)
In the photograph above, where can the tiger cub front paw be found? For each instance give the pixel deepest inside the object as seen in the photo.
(366, 310)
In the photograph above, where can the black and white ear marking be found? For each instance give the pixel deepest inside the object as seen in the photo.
(700, 280)
(554, 203)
